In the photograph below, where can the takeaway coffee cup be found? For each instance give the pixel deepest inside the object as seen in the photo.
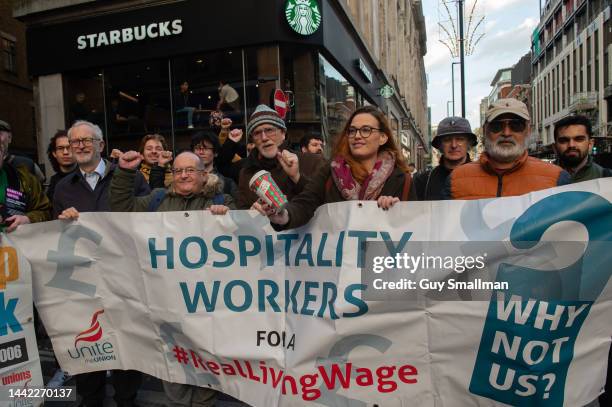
(266, 189)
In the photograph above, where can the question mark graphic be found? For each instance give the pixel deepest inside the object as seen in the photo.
(551, 380)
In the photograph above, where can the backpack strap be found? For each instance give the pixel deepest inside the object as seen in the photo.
(406, 187)
(156, 200)
(218, 199)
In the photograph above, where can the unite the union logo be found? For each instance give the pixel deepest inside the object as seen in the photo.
(303, 16)
(88, 344)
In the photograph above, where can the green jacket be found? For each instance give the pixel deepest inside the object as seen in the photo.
(24, 195)
(590, 171)
(123, 200)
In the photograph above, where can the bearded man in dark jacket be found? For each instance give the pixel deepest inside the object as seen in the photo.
(267, 131)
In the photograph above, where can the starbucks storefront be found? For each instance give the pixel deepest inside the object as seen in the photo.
(160, 68)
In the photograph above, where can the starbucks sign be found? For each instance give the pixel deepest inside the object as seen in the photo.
(303, 16)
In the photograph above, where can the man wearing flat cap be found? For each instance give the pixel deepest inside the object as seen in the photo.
(453, 139)
(271, 153)
(504, 168)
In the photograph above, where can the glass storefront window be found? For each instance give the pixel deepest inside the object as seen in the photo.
(198, 81)
(337, 99)
(175, 97)
(299, 80)
(137, 103)
(394, 128)
(261, 76)
(298, 73)
(84, 97)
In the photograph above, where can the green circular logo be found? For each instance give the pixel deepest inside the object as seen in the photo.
(303, 16)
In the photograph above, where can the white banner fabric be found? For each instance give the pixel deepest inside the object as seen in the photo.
(280, 319)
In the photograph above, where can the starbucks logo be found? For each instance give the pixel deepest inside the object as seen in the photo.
(303, 16)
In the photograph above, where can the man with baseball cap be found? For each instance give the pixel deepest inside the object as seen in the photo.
(453, 139)
(504, 168)
(267, 131)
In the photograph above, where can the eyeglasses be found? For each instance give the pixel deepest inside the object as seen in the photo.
(458, 139)
(268, 131)
(516, 125)
(87, 141)
(200, 147)
(365, 131)
(189, 171)
(62, 148)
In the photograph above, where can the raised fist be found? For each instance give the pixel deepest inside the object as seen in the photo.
(164, 158)
(290, 164)
(235, 135)
(226, 122)
(116, 153)
(130, 160)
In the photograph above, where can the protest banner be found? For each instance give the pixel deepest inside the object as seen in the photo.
(287, 318)
(19, 361)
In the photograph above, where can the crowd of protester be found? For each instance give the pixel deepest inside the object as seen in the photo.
(364, 164)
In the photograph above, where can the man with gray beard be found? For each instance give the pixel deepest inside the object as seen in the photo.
(504, 168)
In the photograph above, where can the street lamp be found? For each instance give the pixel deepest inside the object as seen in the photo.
(453, 81)
(448, 110)
(462, 56)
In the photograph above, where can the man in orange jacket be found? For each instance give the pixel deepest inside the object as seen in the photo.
(504, 168)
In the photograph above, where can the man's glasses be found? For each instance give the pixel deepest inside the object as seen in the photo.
(365, 131)
(59, 149)
(87, 141)
(268, 131)
(189, 171)
(516, 125)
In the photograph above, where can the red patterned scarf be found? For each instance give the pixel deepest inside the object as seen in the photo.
(372, 185)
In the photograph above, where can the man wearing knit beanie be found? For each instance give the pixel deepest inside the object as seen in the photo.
(271, 153)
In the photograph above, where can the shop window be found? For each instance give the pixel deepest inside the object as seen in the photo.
(262, 76)
(299, 78)
(84, 97)
(337, 99)
(9, 55)
(395, 128)
(137, 103)
(205, 83)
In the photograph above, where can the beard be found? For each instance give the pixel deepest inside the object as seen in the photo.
(571, 161)
(502, 153)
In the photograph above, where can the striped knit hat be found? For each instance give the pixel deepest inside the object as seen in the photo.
(263, 114)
